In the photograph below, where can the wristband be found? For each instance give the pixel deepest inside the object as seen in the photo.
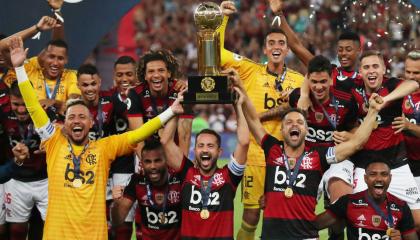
(21, 74)
(166, 115)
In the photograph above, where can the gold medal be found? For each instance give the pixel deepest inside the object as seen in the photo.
(288, 192)
(204, 214)
(77, 183)
(388, 231)
(162, 218)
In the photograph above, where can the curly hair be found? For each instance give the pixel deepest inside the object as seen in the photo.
(164, 55)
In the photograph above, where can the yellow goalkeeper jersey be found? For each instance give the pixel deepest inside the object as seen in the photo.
(67, 87)
(261, 88)
(79, 213)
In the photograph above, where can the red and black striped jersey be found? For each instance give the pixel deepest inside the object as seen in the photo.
(34, 168)
(344, 80)
(363, 222)
(382, 141)
(411, 110)
(151, 224)
(219, 225)
(291, 218)
(103, 120)
(5, 110)
(124, 164)
(341, 109)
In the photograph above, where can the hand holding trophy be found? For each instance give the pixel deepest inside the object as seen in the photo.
(209, 86)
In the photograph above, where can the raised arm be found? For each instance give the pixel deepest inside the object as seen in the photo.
(241, 150)
(402, 90)
(248, 109)
(293, 40)
(57, 33)
(344, 150)
(37, 113)
(173, 152)
(120, 207)
(184, 134)
(147, 129)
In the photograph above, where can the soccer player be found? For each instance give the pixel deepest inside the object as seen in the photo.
(266, 85)
(77, 168)
(373, 213)
(294, 170)
(29, 184)
(158, 194)
(207, 192)
(333, 110)
(157, 73)
(409, 122)
(123, 167)
(383, 141)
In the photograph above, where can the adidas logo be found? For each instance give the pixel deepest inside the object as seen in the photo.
(361, 218)
(418, 200)
(266, 84)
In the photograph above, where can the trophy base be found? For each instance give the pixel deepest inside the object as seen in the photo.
(209, 90)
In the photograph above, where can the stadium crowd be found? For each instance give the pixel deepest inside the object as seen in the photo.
(78, 162)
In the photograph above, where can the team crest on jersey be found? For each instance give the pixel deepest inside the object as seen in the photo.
(218, 179)
(159, 198)
(376, 220)
(91, 159)
(319, 116)
(307, 162)
(173, 197)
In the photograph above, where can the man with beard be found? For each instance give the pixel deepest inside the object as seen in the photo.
(77, 167)
(29, 185)
(207, 192)
(267, 85)
(409, 122)
(157, 192)
(123, 167)
(373, 213)
(383, 141)
(157, 73)
(294, 170)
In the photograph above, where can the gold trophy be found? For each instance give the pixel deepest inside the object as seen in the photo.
(209, 86)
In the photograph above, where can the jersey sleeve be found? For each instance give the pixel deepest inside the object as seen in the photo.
(116, 146)
(134, 108)
(185, 166)
(326, 154)
(72, 89)
(339, 208)
(350, 119)
(130, 189)
(30, 66)
(267, 144)
(406, 225)
(294, 97)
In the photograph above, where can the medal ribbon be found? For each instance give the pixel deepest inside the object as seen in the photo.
(379, 211)
(76, 159)
(150, 199)
(329, 118)
(205, 192)
(48, 91)
(26, 139)
(292, 177)
(282, 77)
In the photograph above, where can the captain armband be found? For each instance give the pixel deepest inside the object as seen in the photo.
(330, 155)
(236, 168)
(46, 131)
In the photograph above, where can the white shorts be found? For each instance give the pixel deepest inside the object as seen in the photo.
(342, 170)
(23, 197)
(123, 179)
(2, 206)
(402, 185)
(417, 179)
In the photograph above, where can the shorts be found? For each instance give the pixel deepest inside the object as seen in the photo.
(253, 186)
(402, 185)
(23, 196)
(2, 206)
(342, 170)
(417, 179)
(123, 179)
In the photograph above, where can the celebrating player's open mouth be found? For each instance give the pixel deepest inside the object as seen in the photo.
(206, 160)
(378, 189)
